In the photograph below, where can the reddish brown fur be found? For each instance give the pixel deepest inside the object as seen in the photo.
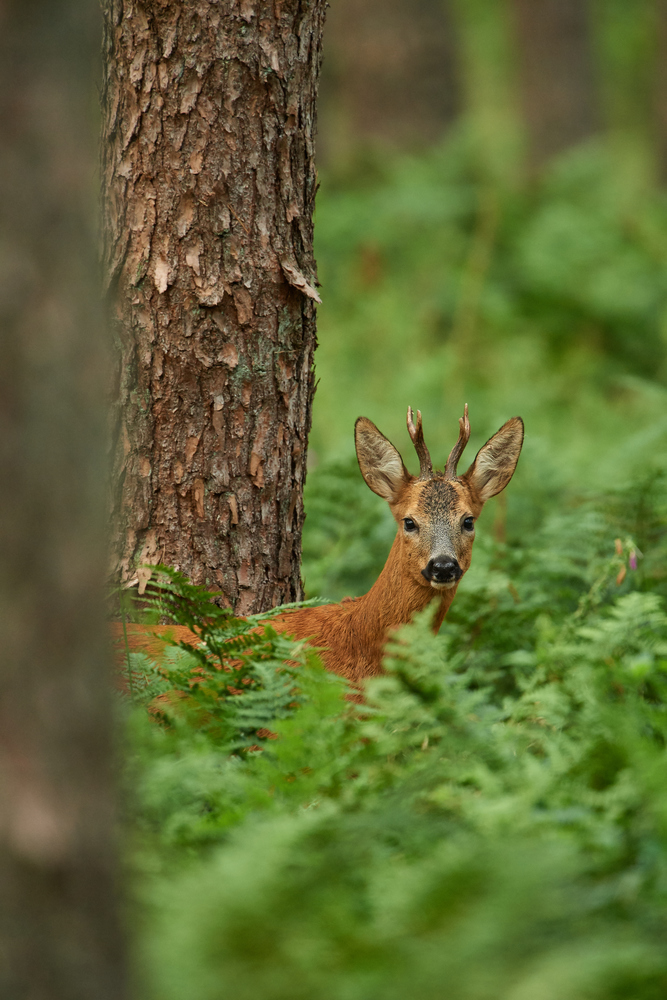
(352, 634)
(149, 639)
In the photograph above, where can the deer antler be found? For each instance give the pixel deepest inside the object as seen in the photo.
(417, 436)
(457, 450)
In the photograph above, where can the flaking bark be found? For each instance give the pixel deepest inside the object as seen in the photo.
(209, 186)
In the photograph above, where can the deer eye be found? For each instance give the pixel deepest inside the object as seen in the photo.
(469, 523)
(409, 524)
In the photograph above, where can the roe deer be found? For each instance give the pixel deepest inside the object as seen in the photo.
(436, 513)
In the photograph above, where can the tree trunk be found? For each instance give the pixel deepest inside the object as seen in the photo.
(556, 73)
(661, 89)
(59, 931)
(390, 75)
(209, 187)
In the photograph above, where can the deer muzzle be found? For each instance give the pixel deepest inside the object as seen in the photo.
(443, 570)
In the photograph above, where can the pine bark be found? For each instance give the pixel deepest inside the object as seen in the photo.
(556, 75)
(209, 187)
(59, 927)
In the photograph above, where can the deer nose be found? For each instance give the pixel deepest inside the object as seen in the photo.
(442, 569)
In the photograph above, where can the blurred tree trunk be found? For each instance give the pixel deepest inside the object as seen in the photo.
(59, 931)
(661, 89)
(390, 75)
(556, 75)
(209, 188)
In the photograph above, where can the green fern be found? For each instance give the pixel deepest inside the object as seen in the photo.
(232, 686)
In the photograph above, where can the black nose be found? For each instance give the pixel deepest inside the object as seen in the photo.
(442, 569)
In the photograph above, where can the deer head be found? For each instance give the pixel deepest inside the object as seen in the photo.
(436, 511)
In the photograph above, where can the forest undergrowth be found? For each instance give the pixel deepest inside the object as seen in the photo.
(493, 819)
(491, 823)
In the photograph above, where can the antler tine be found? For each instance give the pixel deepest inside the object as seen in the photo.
(457, 450)
(417, 436)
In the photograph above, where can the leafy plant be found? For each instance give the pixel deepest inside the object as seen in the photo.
(443, 837)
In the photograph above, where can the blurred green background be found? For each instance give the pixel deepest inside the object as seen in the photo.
(503, 245)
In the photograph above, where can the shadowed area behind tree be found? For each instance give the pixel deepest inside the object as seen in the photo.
(60, 934)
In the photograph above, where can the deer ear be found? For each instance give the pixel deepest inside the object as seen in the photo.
(496, 461)
(381, 465)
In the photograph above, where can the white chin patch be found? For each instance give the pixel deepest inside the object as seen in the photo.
(443, 586)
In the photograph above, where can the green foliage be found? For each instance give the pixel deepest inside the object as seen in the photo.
(238, 679)
(491, 821)
(203, 709)
(440, 286)
(443, 836)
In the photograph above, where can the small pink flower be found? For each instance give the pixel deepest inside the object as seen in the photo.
(633, 560)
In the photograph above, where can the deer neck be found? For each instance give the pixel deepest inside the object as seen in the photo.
(394, 598)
